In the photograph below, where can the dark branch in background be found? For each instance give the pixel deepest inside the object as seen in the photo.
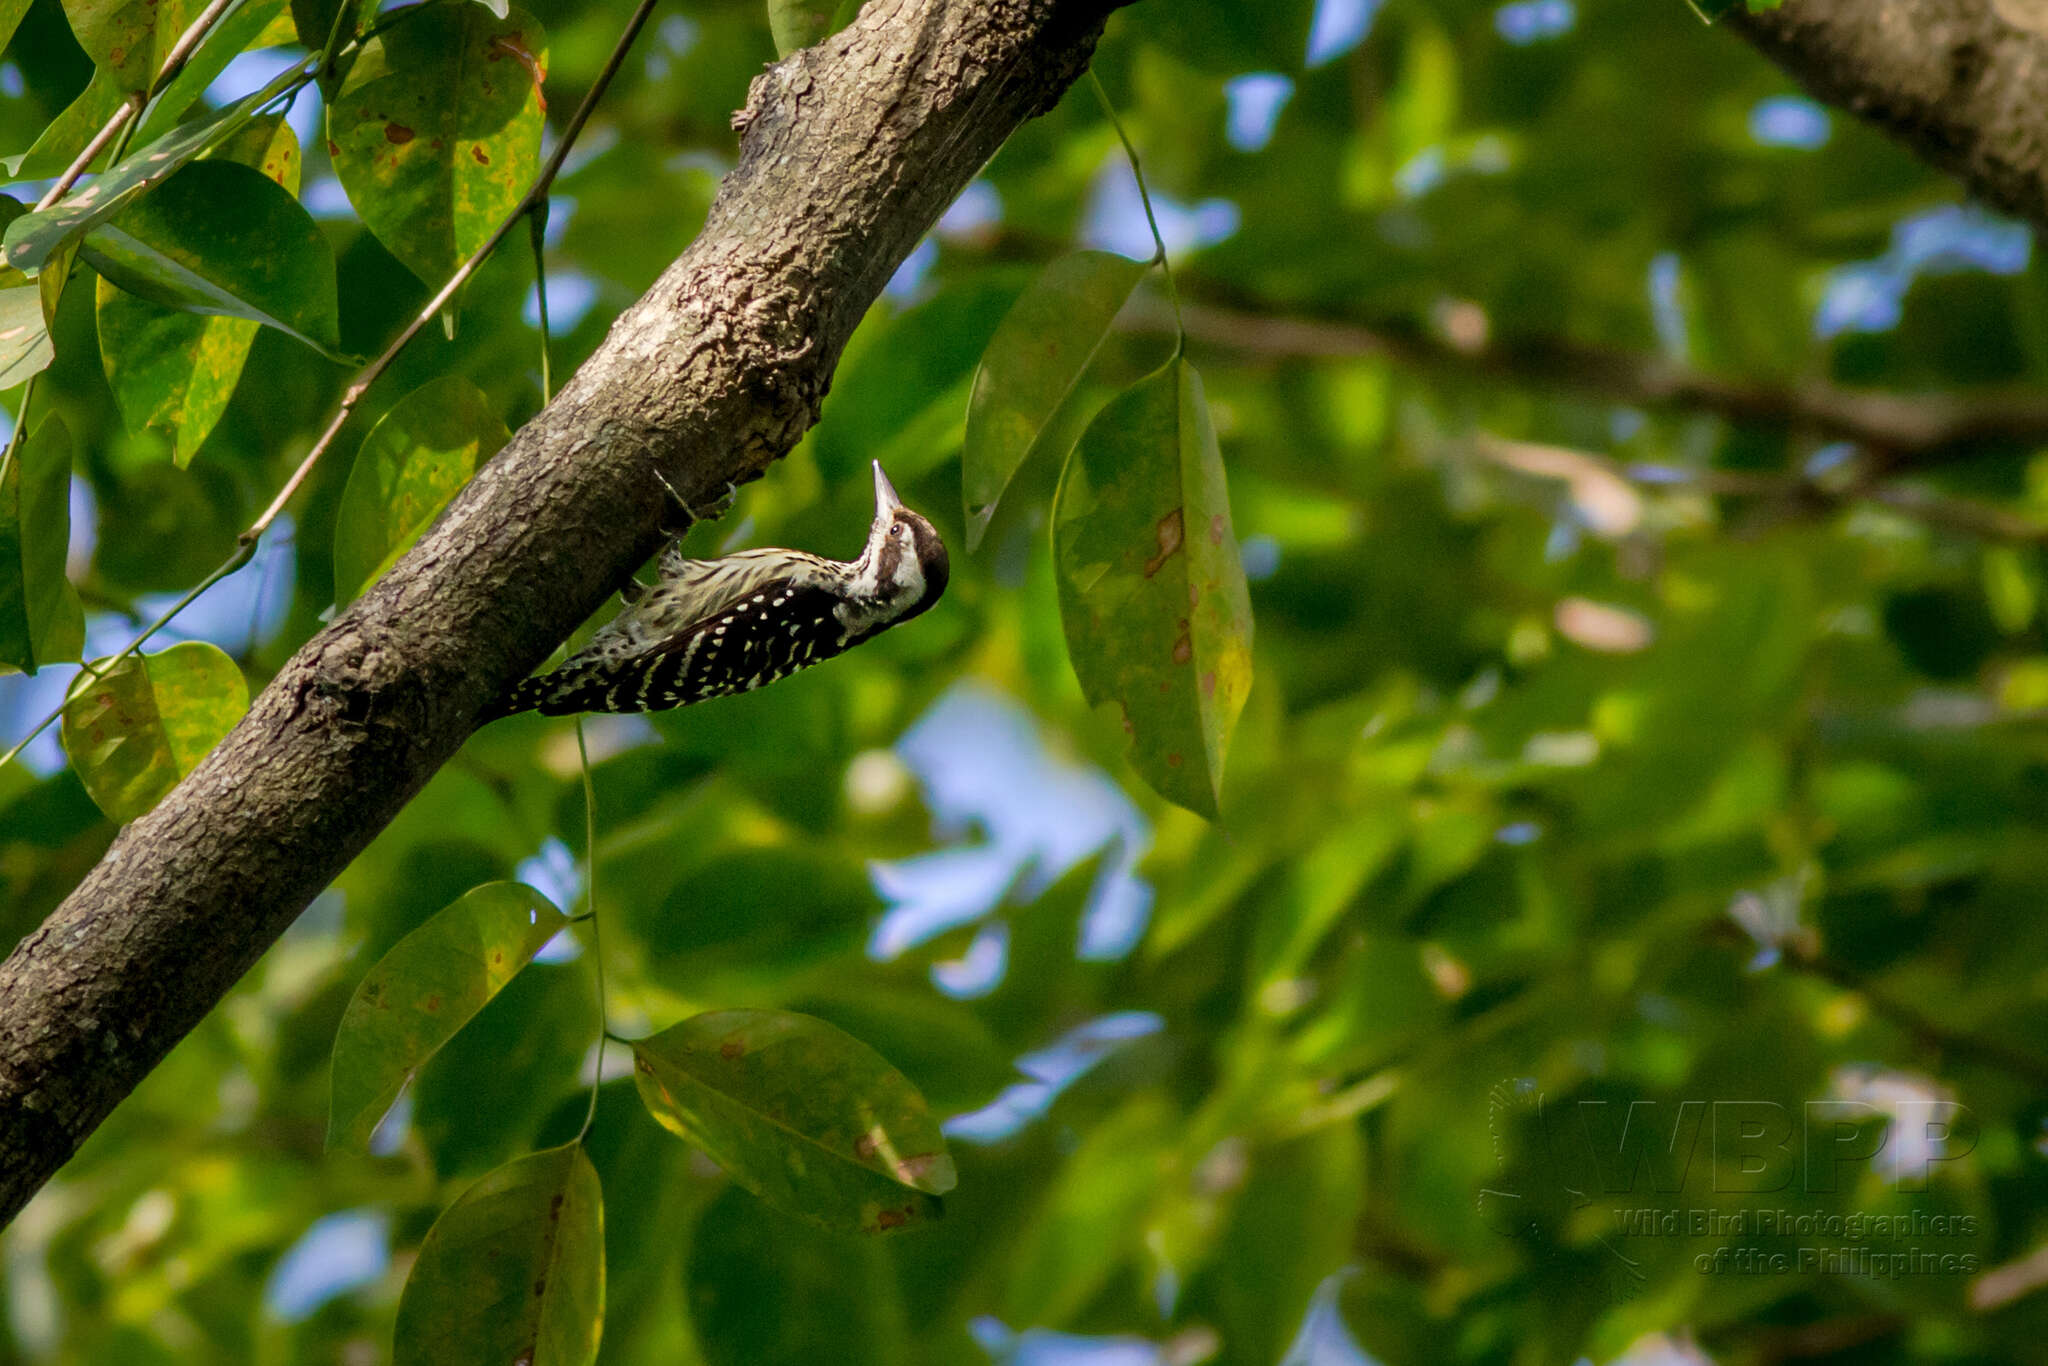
(1900, 429)
(1594, 478)
(1929, 1033)
(1959, 86)
(849, 152)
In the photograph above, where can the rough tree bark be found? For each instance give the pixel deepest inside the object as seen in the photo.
(1951, 80)
(849, 152)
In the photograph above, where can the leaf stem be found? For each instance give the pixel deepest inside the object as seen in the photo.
(537, 230)
(590, 910)
(344, 14)
(538, 192)
(1151, 220)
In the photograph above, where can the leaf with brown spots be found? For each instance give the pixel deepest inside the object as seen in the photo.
(422, 992)
(802, 1114)
(139, 726)
(513, 1271)
(436, 131)
(1158, 620)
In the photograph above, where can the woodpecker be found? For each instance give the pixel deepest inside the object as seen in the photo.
(715, 627)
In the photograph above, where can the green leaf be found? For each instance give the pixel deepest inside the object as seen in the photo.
(802, 1114)
(800, 23)
(41, 621)
(10, 15)
(224, 239)
(411, 464)
(49, 279)
(765, 1288)
(1152, 595)
(65, 136)
(128, 41)
(1292, 1225)
(173, 372)
(31, 239)
(513, 1271)
(436, 132)
(427, 987)
(1030, 375)
(24, 334)
(1091, 1220)
(142, 724)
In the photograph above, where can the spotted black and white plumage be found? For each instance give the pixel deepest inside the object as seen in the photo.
(715, 627)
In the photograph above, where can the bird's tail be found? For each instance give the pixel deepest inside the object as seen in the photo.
(524, 696)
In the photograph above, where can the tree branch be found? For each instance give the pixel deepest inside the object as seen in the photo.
(849, 152)
(1951, 80)
(1901, 429)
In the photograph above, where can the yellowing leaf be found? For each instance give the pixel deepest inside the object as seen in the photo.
(430, 984)
(173, 372)
(411, 464)
(141, 725)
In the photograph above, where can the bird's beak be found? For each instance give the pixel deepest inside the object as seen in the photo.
(886, 501)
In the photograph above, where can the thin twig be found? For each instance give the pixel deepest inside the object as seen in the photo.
(188, 43)
(590, 909)
(538, 192)
(1144, 198)
(337, 33)
(536, 232)
(132, 104)
(1592, 478)
(130, 107)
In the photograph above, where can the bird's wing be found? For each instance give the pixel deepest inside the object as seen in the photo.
(690, 592)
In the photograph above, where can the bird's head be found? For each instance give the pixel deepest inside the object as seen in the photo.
(905, 561)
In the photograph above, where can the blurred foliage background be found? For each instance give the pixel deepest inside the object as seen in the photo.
(1610, 741)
